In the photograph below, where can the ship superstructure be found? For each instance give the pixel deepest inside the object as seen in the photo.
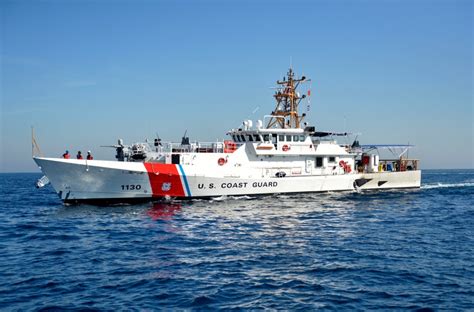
(279, 154)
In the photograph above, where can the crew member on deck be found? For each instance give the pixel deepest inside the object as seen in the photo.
(66, 155)
(79, 155)
(89, 155)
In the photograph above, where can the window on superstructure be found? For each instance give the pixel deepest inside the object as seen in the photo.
(242, 137)
(319, 162)
(332, 159)
(256, 137)
(250, 138)
(234, 138)
(296, 138)
(266, 137)
(281, 138)
(274, 138)
(288, 138)
(302, 138)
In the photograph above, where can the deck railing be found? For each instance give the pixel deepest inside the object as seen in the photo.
(391, 165)
(195, 147)
(398, 164)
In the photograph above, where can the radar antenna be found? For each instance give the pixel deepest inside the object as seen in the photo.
(286, 113)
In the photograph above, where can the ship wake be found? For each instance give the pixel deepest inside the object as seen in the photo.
(447, 185)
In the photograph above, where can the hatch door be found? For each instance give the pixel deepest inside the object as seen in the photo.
(309, 165)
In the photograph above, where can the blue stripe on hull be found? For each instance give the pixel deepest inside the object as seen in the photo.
(185, 180)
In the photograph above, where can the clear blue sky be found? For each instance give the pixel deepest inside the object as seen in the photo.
(85, 73)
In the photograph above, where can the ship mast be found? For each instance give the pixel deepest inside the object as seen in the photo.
(286, 113)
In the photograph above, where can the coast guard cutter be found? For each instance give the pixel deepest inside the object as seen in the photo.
(279, 154)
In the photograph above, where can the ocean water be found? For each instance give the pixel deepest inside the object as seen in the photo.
(407, 250)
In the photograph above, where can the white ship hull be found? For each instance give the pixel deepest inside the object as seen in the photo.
(111, 181)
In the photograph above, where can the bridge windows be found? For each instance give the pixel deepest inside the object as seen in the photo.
(269, 138)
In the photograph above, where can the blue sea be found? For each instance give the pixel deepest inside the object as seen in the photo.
(403, 250)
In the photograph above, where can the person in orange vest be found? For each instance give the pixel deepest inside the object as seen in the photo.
(79, 155)
(89, 155)
(66, 155)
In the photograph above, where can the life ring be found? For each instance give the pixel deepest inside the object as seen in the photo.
(221, 161)
(342, 164)
(285, 148)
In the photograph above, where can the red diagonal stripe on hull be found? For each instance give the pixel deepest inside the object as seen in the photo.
(164, 180)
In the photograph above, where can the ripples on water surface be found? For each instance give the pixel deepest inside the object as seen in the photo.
(393, 249)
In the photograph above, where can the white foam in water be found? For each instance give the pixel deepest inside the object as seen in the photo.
(442, 185)
(226, 197)
(220, 198)
(448, 173)
(242, 197)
